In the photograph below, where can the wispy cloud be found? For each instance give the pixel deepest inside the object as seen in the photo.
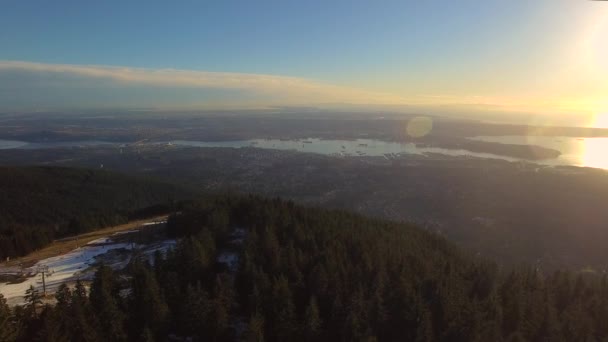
(17, 76)
(27, 85)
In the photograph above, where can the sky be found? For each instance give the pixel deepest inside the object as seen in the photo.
(544, 57)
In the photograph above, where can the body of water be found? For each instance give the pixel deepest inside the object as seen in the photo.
(589, 152)
(13, 144)
(358, 147)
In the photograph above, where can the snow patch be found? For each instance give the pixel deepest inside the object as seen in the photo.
(76, 264)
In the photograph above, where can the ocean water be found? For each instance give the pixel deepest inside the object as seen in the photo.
(584, 152)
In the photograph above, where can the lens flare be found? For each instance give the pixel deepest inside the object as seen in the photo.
(419, 127)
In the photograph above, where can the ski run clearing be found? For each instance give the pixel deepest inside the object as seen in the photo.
(77, 263)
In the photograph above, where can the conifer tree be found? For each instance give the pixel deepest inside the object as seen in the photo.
(194, 313)
(312, 320)
(255, 328)
(148, 307)
(33, 300)
(8, 331)
(103, 299)
(83, 322)
(283, 309)
(221, 306)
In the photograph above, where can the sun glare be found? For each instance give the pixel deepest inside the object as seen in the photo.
(595, 41)
(594, 154)
(601, 120)
(593, 150)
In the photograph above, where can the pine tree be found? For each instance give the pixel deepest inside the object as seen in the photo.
(148, 307)
(105, 306)
(82, 319)
(63, 296)
(58, 322)
(80, 292)
(194, 312)
(55, 326)
(147, 335)
(512, 294)
(425, 331)
(577, 324)
(32, 300)
(8, 331)
(312, 320)
(255, 329)
(283, 309)
(550, 329)
(221, 305)
(357, 321)
(490, 319)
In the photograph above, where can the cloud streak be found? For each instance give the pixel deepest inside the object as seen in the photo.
(27, 85)
(17, 76)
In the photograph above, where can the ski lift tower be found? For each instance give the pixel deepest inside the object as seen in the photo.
(44, 270)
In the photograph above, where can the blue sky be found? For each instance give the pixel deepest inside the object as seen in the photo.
(298, 38)
(491, 53)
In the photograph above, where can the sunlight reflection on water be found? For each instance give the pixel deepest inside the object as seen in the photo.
(595, 153)
(589, 152)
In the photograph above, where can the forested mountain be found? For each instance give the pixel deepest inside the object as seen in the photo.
(39, 204)
(306, 274)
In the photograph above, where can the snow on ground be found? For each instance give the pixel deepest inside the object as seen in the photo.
(117, 260)
(161, 246)
(76, 265)
(238, 236)
(153, 223)
(230, 259)
(231, 256)
(63, 268)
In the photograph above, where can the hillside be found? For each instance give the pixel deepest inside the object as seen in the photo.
(509, 212)
(308, 274)
(267, 270)
(40, 204)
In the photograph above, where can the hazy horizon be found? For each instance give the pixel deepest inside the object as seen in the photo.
(493, 61)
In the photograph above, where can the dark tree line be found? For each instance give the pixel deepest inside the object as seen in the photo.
(40, 204)
(308, 274)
